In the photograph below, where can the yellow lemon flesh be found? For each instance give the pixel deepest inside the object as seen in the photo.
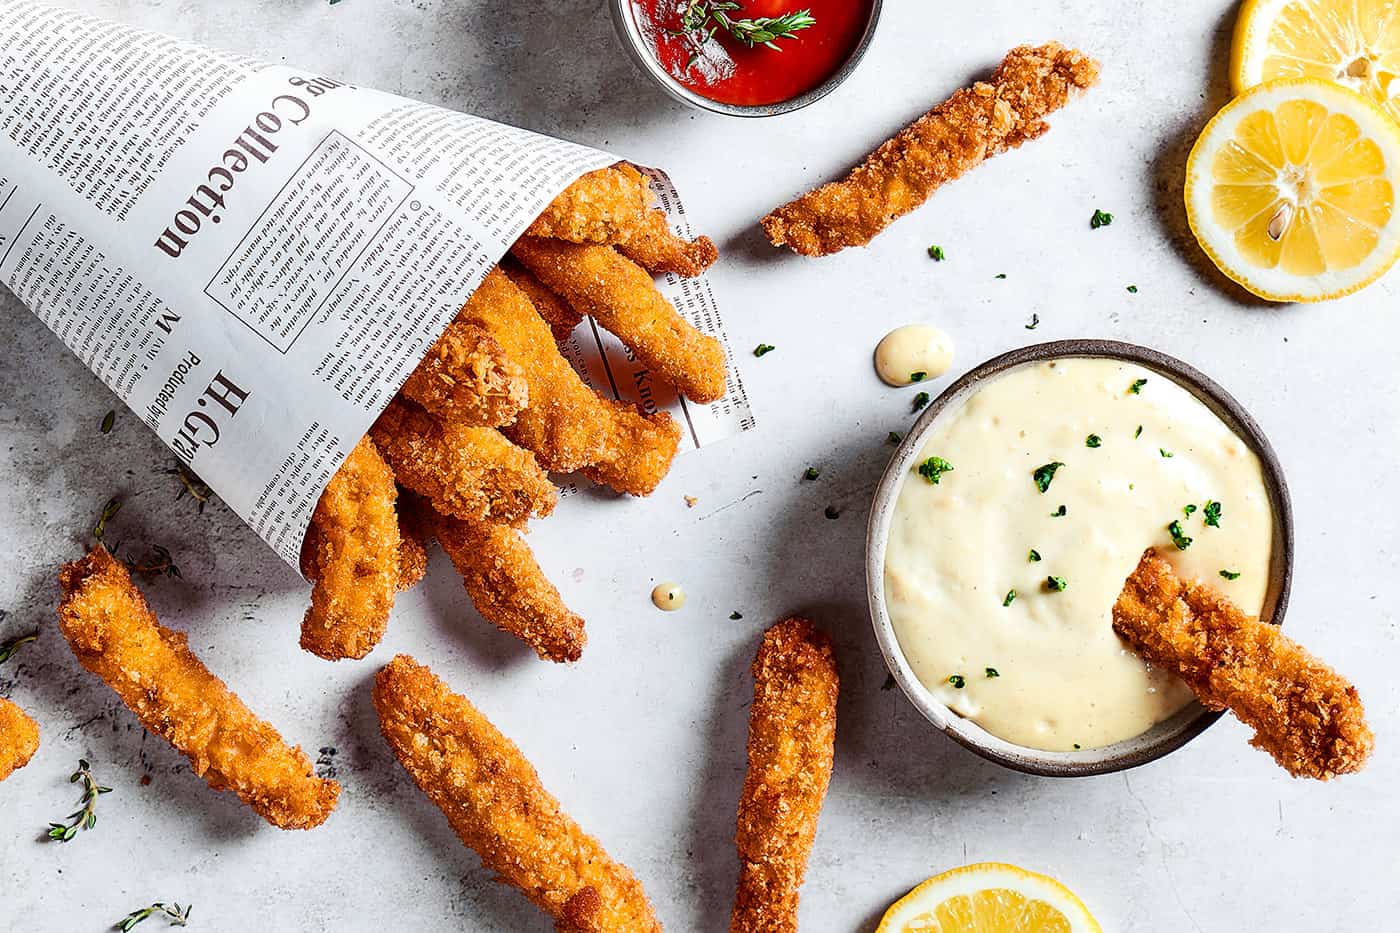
(1290, 190)
(1355, 43)
(989, 898)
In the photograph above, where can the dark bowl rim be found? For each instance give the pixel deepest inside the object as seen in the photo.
(1168, 735)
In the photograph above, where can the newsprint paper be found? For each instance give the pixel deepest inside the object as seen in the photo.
(255, 257)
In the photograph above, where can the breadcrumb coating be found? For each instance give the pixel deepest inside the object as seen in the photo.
(950, 140)
(557, 313)
(656, 248)
(494, 800)
(466, 379)
(1304, 714)
(115, 635)
(792, 742)
(19, 738)
(414, 538)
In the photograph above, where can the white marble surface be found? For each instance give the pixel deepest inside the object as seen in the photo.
(643, 740)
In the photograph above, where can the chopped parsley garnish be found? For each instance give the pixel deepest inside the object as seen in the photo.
(889, 682)
(1035, 322)
(1132, 289)
(1093, 440)
(832, 512)
(957, 680)
(736, 614)
(1076, 746)
(763, 349)
(1034, 556)
(936, 253)
(1044, 474)
(993, 672)
(108, 421)
(1136, 387)
(811, 473)
(894, 437)
(1164, 452)
(1188, 509)
(1100, 219)
(1055, 584)
(1230, 574)
(1138, 433)
(1010, 598)
(1212, 513)
(999, 275)
(919, 376)
(920, 401)
(933, 469)
(1178, 536)
(1059, 513)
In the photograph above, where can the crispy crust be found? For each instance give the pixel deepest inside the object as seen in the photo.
(1308, 717)
(466, 379)
(414, 538)
(953, 138)
(116, 636)
(495, 802)
(792, 736)
(19, 738)
(622, 297)
(351, 555)
(654, 247)
(561, 318)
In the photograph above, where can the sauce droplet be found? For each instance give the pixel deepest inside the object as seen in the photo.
(668, 597)
(913, 349)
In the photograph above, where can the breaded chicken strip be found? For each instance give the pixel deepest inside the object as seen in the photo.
(613, 206)
(792, 736)
(351, 556)
(414, 538)
(1303, 713)
(116, 636)
(557, 313)
(509, 589)
(469, 473)
(621, 296)
(568, 425)
(19, 738)
(953, 138)
(466, 379)
(495, 803)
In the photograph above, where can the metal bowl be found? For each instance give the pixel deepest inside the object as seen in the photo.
(1166, 736)
(636, 45)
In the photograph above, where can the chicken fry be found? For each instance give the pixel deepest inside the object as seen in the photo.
(509, 589)
(351, 556)
(466, 379)
(495, 802)
(116, 636)
(953, 138)
(792, 735)
(19, 738)
(568, 425)
(469, 473)
(1304, 714)
(414, 538)
(654, 247)
(621, 296)
(561, 318)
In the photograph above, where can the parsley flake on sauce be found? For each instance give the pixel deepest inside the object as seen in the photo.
(1188, 509)
(1138, 433)
(1178, 536)
(1034, 556)
(1093, 440)
(933, 469)
(1164, 452)
(1044, 474)
(1059, 513)
(919, 376)
(1010, 598)
(1056, 584)
(763, 349)
(957, 680)
(1212, 513)
(993, 672)
(1230, 574)
(1136, 387)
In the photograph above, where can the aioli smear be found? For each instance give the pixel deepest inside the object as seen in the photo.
(913, 348)
(668, 597)
(958, 549)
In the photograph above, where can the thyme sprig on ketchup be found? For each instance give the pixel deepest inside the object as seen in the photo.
(703, 18)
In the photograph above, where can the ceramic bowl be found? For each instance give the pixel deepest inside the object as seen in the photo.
(1166, 736)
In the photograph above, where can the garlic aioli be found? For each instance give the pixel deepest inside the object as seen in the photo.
(1045, 670)
(913, 348)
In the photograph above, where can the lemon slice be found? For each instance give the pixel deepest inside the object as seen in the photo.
(989, 898)
(1291, 190)
(1355, 43)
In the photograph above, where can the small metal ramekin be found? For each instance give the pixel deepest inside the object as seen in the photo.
(636, 45)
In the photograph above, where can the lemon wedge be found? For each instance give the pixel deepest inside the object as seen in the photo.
(1355, 43)
(989, 898)
(1290, 190)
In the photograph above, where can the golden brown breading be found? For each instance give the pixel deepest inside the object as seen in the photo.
(116, 636)
(495, 802)
(19, 738)
(466, 379)
(792, 736)
(1304, 714)
(414, 538)
(567, 424)
(561, 318)
(470, 473)
(953, 138)
(654, 247)
(351, 556)
(509, 589)
(621, 296)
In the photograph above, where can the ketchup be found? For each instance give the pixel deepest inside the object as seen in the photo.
(724, 69)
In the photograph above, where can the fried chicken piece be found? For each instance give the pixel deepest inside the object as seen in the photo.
(621, 296)
(561, 318)
(469, 473)
(414, 538)
(509, 589)
(953, 138)
(351, 555)
(116, 636)
(1303, 713)
(19, 738)
(613, 207)
(568, 425)
(792, 736)
(466, 379)
(495, 802)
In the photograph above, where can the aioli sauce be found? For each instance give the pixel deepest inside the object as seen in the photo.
(1046, 670)
(913, 348)
(668, 597)
(726, 70)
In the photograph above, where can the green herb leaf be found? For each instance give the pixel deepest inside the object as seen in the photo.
(1044, 474)
(936, 253)
(1136, 387)
(736, 614)
(1164, 452)
(999, 275)
(86, 817)
(1093, 440)
(1230, 574)
(1061, 512)
(1138, 433)
(1188, 509)
(108, 421)
(1100, 219)
(919, 376)
(763, 349)
(1132, 289)
(957, 680)
(1055, 584)
(1010, 598)
(1212, 513)
(1178, 536)
(1033, 557)
(109, 511)
(811, 473)
(933, 469)
(993, 672)
(1035, 322)
(11, 647)
(894, 437)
